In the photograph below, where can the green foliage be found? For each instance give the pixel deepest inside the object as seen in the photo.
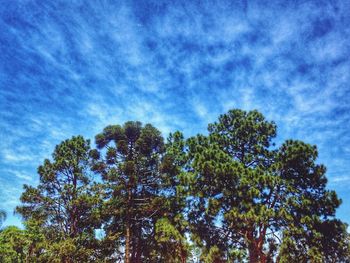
(13, 245)
(255, 190)
(65, 204)
(140, 188)
(171, 242)
(229, 196)
(214, 254)
(325, 241)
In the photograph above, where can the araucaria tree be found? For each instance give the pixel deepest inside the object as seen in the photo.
(248, 195)
(64, 204)
(139, 191)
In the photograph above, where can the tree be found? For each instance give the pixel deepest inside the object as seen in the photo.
(170, 229)
(65, 204)
(139, 191)
(248, 194)
(22, 245)
(2, 217)
(326, 241)
(13, 245)
(37, 245)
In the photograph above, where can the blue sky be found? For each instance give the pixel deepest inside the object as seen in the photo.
(73, 67)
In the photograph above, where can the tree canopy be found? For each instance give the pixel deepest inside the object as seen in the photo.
(250, 196)
(139, 190)
(231, 195)
(65, 204)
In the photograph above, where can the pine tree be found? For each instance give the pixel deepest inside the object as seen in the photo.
(64, 204)
(248, 195)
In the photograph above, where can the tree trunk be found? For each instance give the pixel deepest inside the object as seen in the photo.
(255, 249)
(256, 244)
(73, 213)
(256, 255)
(253, 253)
(183, 255)
(128, 229)
(127, 243)
(138, 251)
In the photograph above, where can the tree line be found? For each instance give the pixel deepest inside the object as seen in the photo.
(231, 195)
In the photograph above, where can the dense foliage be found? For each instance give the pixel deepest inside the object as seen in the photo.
(249, 195)
(229, 196)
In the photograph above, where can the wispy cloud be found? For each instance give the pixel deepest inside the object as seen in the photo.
(340, 179)
(19, 174)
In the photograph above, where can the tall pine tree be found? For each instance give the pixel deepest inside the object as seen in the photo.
(65, 204)
(250, 196)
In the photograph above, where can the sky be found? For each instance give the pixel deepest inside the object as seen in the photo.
(74, 67)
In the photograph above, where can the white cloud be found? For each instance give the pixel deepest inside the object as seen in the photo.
(20, 174)
(11, 156)
(339, 179)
